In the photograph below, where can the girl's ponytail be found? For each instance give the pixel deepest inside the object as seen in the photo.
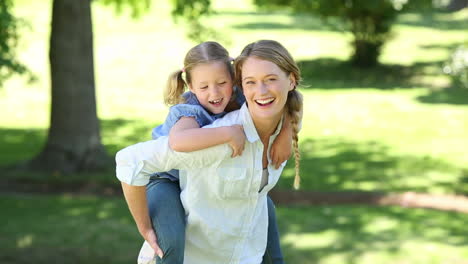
(174, 89)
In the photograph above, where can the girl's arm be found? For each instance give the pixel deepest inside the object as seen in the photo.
(186, 136)
(136, 200)
(281, 149)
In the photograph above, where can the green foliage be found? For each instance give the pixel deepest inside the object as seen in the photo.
(8, 42)
(137, 7)
(191, 11)
(369, 21)
(457, 67)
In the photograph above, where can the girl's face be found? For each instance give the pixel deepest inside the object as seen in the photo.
(212, 84)
(266, 88)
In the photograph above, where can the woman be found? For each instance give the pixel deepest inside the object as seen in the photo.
(225, 198)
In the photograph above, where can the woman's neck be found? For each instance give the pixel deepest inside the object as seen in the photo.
(266, 127)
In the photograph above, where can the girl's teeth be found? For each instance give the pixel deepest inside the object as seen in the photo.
(216, 101)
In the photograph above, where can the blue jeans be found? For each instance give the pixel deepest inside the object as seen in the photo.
(168, 217)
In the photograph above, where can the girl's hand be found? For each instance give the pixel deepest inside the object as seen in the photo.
(237, 141)
(281, 149)
(152, 240)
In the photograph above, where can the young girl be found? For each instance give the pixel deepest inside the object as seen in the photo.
(209, 77)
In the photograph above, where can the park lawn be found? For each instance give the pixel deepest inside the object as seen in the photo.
(355, 139)
(396, 127)
(95, 230)
(393, 128)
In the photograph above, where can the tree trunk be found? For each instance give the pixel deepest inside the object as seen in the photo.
(366, 53)
(74, 142)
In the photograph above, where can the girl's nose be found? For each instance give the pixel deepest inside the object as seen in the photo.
(215, 90)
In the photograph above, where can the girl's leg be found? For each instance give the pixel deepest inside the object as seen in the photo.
(273, 253)
(168, 218)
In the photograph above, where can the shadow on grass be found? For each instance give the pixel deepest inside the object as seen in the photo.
(330, 73)
(331, 164)
(293, 22)
(354, 234)
(95, 230)
(455, 96)
(67, 229)
(432, 20)
(316, 23)
(334, 164)
(21, 145)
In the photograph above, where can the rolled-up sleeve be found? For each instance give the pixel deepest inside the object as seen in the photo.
(135, 164)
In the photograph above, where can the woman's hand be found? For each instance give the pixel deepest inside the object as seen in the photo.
(152, 240)
(237, 140)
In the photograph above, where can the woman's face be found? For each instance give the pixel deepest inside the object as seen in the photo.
(265, 87)
(212, 84)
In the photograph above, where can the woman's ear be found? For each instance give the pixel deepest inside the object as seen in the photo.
(292, 82)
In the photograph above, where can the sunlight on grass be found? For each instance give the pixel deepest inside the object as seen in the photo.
(371, 235)
(391, 128)
(318, 234)
(397, 127)
(25, 241)
(310, 241)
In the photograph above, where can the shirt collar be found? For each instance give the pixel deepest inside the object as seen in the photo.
(249, 127)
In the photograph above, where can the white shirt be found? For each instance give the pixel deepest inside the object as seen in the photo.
(227, 215)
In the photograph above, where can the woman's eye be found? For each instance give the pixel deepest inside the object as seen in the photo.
(272, 79)
(221, 83)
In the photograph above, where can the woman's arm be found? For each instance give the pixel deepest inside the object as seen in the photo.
(136, 201)
(186, 136)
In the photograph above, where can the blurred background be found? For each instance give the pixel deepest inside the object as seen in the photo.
(386, 113)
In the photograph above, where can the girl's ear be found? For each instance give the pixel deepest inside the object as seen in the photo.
(191, 88)
(292, 82)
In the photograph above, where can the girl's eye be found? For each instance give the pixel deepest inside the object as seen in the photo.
(249, 82)
(272, 79)
(204, 87)
(221, 83)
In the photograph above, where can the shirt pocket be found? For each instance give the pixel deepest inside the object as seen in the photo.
(233, 183)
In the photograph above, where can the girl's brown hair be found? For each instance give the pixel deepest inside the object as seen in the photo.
(273, 51)
(204, 52)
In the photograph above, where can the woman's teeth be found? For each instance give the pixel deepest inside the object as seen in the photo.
(264, 101)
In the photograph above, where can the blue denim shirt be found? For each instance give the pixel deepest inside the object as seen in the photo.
(191, 108)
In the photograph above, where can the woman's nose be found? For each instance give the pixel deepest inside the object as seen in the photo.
(262, 88)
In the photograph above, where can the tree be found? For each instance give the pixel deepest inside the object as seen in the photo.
(369, 21)
(8, 41)
(74, 142)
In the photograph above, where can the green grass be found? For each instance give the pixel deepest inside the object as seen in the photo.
(397, 127)
(96, 230)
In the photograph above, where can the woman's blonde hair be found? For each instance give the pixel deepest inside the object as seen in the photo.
(273, 51)
(204, 52)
